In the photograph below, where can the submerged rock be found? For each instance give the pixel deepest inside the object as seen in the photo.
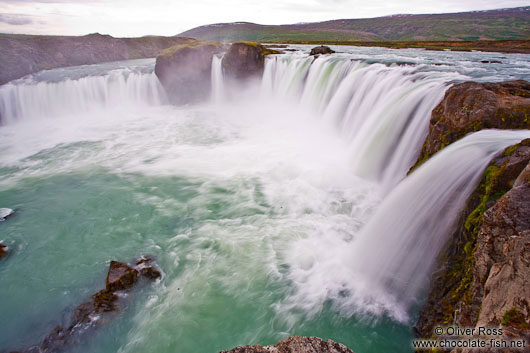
(120, 278)
(321, 50)
(245, 60)
(185, 71)
(3, 250)
(5, 213)
(296, 344)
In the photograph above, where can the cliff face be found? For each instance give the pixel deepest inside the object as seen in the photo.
(23, 54)
(185, 70)
(483, 274)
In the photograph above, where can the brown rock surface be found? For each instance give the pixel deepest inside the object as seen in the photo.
(472, 106)
(185, 71)
(296, 344)
(321, 50)
(245, 60)
(95, 312)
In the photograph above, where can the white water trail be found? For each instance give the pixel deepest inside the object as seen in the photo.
(36, 100)
(396, 250)
(386, 266)
(217, 79)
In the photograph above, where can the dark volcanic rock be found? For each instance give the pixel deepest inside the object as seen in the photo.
(121, 276)
(321, 50)
(95, 312)
(25, 54)
(473, 106)
(3, 250)
(296, 344)
(185, 71)
(245, 60)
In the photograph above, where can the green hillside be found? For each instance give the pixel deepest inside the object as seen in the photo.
(503, 24)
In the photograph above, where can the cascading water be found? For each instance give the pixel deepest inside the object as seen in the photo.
(280, 210)
(382, 112)
(31, 99)
(217, 79)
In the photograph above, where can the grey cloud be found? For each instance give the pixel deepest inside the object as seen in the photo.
(16, 20)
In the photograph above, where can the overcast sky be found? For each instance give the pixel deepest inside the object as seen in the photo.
(127, 18)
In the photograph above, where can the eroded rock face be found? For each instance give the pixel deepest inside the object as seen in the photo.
(244, 60)
(472, 106)
(185, 71)
(502, 258)
(296, 344)
(321, 50)
(96, 312)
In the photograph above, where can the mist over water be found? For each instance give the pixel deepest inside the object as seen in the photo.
(275, 209)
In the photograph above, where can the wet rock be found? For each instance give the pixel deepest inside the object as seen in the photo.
(120, 278)
(473, 106)
(321, 50)
(463, 268)
(245, 60)
(3, 251)
(185, 71)
(5, 213)
(296, 344)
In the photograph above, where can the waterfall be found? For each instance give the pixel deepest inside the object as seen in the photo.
(217, 79)
(396, 250)
(382, 112)
(36, 99)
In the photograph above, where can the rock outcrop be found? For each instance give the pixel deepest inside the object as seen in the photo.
(245, 60)
(472, 106)
(94, 313)
(321, 50)
(296, 344)
(484, 272)
(25, 54)
(185, 71)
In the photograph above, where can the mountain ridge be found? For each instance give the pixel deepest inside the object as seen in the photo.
(499, 24)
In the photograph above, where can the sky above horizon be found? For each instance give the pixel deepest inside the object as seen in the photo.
(129, 18)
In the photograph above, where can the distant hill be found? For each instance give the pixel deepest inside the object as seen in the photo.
(502, 24)
(25, 54)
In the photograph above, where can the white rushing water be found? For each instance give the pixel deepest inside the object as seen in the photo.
(292, 194)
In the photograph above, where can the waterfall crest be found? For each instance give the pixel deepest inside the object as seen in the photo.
(37, 99)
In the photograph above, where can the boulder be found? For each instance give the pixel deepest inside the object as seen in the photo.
(120, 276)
(321, 50)
(245, 60)
(296, 344)
(471, 106)
(185, 71)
